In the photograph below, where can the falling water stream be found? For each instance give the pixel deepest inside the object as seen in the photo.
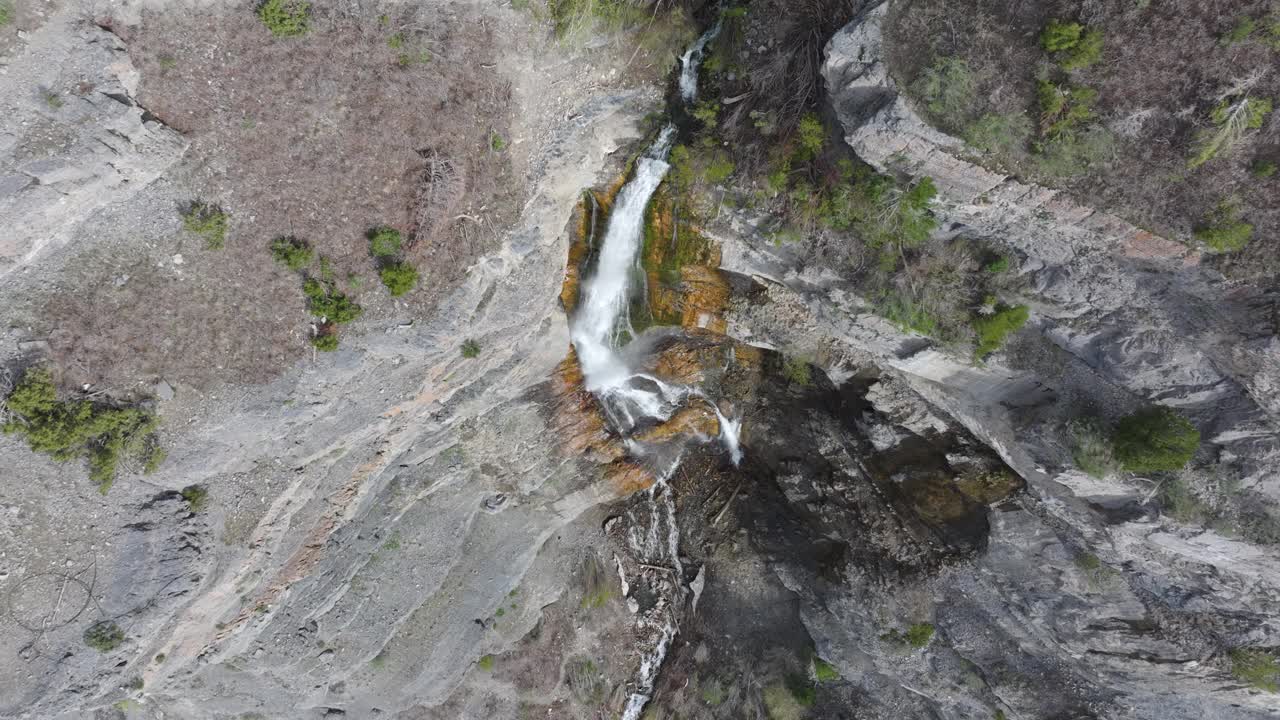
(630, 398)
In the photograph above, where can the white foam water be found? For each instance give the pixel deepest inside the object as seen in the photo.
(630, 398)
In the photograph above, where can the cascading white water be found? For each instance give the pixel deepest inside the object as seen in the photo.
(690, 61)
(628, 398)
(607, 293)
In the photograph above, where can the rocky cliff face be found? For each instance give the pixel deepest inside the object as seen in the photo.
(1120, 317)
(77, 139)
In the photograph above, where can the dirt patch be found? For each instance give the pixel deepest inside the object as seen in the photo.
(399, 119)
(1163, 69)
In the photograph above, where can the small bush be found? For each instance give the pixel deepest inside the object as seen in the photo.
(1177, 500)
(719, 168)
(70, 429)
(916, 636)
(1155, 439)
(706, 112)
(470, 349)
(1232, 118)
(997, 266)
(796, 371)
(999, 134)
(196, 496)
(919, 635)
(780, 704)
(325, 341)
(1239, 32)
(810, 137)
(1059, 35)
(1263, 169)
(1084, 53)
(104, 636)
(1064, 110)
(324, 301)
(496, 143)
(1256, 668)
(584, 680)
(993, 329)
(947, 88)
(908, 315)
(285, 18)
(1074, 153)
(384, 242)
(399, 278)
(824, 671)
(208, 221)
(1091, 450)
(1223, 230)
(291, 252)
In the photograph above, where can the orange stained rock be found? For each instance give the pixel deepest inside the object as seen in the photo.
(693, 421)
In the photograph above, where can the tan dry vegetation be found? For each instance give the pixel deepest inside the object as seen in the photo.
(1163, 68)
(320, 137)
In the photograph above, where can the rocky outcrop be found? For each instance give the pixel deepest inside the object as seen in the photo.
(76, 140)
(1136, 308)
(1084, 585)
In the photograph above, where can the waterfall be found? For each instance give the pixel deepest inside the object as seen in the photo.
(629, 398)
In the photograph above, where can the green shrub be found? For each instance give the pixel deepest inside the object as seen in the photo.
(6, 12)
(706, 112)
(719, 168)
(196, 496)
(1084, 53)
(1074, 153)
(496, 143)
(824, 671)
(291, 252)
(400, 278)
(1155, 439)
(1232, 118)
(947, 89)
(1239, 32)
(713, 693)
(908, 315)
(780, 704)
(325, 341)
(993, 329)
(324, 301)
(285, 18)
(1223, 230)
(997, 266)
(1256, 668)
(1091, 449)
(802, 689)
(470, 349)
(1059, 35)
(485, 663)
(70, 429)
(1263, 169)
(104, 636)
(1064, 110)
(208, 221)
(1271, 31)
(384, 241)
(919, 635)
(999, 134)
(796, 370)
(810, 137)
(1177, 500)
